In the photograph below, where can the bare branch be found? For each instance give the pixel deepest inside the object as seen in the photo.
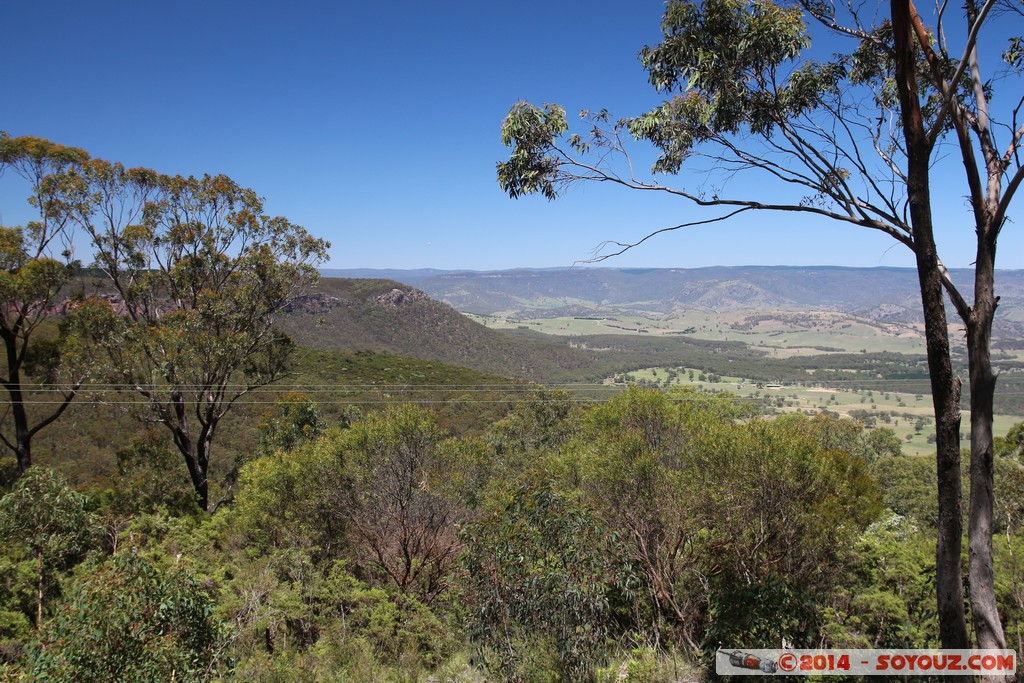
(597, 258)
(948, 92)
(999, 217)
(68, 398)
(744, 206)
(962, 309)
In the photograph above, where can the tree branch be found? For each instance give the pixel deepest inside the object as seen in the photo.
(68, 398)
(948, 93)
(962, 309)
(999, 217)
(627, 246)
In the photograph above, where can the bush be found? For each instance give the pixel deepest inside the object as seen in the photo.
(131, 621)
(543, 580)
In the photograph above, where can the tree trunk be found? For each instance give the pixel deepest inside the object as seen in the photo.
(22, 436)
(197, 473)
(946, 403)
(987, 626)
(203, 468)
(945, 387)
(23, 441)
(194, 458)
(39, 588)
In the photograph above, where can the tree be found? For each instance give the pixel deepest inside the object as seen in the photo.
(148, 477)
(751, 102)
(132, 621)
(295, 420)
(35, 264)
(736, 527)
(200, 273)
(1012, 444)
(51, 521)
(542, 576)
(403, 522)
(637, 447)
(885, 600)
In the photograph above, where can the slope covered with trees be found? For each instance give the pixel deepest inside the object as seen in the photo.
(357, 314)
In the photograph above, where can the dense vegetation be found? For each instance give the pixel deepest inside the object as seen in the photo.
(563, 541)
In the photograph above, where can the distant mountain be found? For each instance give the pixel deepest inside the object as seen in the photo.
(886, 294)
(408, 276)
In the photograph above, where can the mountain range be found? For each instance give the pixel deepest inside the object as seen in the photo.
(881, 294)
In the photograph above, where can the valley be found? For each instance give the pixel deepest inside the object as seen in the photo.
(777, 333)
(854, 351)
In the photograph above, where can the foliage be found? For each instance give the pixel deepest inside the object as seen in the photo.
(542, 582)
(636, 476)
(882, 442)
(648, 665)
(734, 525)
(1009, 508)
(1010, 586)
(781, 507)
(132, 620)
(629, 536)
(908, 488)
(887, 602)
(286, 556)
(51, 522)
(540, 423)
(17, 603)
(149, 478)
(1013, 443)
(323, 619)
(404, 524)
(296, 419)
(295, 499)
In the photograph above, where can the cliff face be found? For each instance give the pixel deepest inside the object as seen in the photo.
(400, 297)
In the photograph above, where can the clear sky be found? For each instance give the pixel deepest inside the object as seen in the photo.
(377, 125)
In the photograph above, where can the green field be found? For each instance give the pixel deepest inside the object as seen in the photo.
(909, 415)
(778, 333)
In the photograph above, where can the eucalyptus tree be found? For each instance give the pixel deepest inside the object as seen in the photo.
(51, 522)
(131, 619)
(200, 274)
(403, 523)
(35, 264)
(852, 138)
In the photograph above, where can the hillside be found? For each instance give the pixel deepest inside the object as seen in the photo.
(384, 315)
(865, 346)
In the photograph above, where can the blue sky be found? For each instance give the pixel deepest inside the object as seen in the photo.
(376, 125)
